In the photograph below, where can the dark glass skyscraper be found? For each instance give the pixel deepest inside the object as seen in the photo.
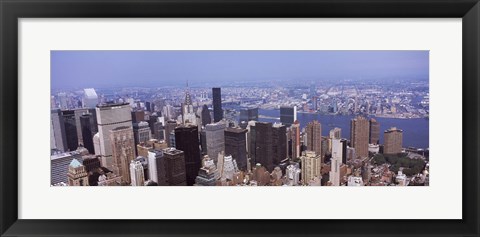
(88, 130)
(206, 118)
(264, 148)
(279, 143)
(217, 104)
(236, 145)
(287, 115)
(186, 139)
(70, 129)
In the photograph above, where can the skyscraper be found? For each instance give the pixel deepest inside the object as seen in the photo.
(264, 147)
(393, 141)
(279, 143)
(142, 132)
(295, 131)
(359, 129)
(175, 167)
(217, 104)
(90, 98)
(136, 173)
(77, 174)
(206, 118)
(311, 166)
(59, 163)
(288, 115)
(186, 139)
(236, 146)
(58, 131)
(208, 174)
(88, 130)
(249, 114)
(215, 138)
(188, 114)
(374, 131)
(336, 133)
(156, 167)
(338, 154)
(70, 129)
(110, 116)
(169, 128)
(314, 137)
(123, 151)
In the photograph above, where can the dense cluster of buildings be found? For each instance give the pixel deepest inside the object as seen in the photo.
(152, 143)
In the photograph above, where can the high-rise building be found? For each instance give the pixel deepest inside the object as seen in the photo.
(136, 173)
(393, 141)
(251, 143)
(62, 97)
(77, 174)
(156, 167)
(217, 104)
(88, 128)
(123, 151)
(336, 133)
(206, 118)
(110, 116)
(175, 167)
(57, 130)
(293, 175)
(138, 116)
(359, 129)
(227, 167)
(169, 128)
(208, 174)
(288, 115)
(295, 131)
(90, 98)
(78, 113)
(59, 163)
(249, 114)
(186, 139)
(215, 138)
(188, 114)
(264, 145)
(314, 137)
(236, 146)
(279, 143)
(311, 166)
(374, 131)
(142, 132)
(70, 129)
(339, 147)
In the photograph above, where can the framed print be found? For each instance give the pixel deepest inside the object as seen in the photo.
(239, 118)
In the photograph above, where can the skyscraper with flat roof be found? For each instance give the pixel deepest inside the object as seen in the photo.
(136, 173)
(186, 139)
(90, 98)
(123, 151)
(374, 131)
(59, 139)
(295, 131)
(88, 129)
(236, 146)
(175, 167)
(311, 166)
(359, 130)
(264, 145)
(217, 104)
(70, 129)
(393, 141)
(288, 115)
(215, 139)
(314, 137)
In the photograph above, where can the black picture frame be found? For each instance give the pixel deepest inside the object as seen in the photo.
(11, 11)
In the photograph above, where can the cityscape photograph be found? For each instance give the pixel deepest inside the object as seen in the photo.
(239, 118)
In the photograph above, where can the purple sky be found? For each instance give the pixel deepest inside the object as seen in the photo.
(100, 69)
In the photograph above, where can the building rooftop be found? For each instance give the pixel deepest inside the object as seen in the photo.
(75, 163)
(90, 93)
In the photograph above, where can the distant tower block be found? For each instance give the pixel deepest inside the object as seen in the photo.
(393, 141)
(374, 131)
(359, 136)
(136, 173)
(77, 174)
(215, 136)
(90, 98)
(314, 137)
(217, 104)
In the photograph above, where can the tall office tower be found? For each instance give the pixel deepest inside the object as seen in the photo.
(336, 133)
(359, 129)
(70, 129)
(156, 167)
(250, 114)
(175, 167)
(136, 173)
(77, 174)
(288, 115)
(62, 97)
(206, 118)
(217, 104)
(186, 139)
(374, 131)
(169, 128)
(90, 98)
(59, 162)
(295, 129)
(58, 127)
(251, 143)
(264, 145)
(236, 145)
(148, 106)
(78, 113)
(314, 137)
(339, 147)
(188, 114)
(110, 116)
(142, 132)
(88, 129)
(311, 166)
(292, 175)
(138, 116)
(393, 141)
(215, 136)
(279, 143)
(123, 151)
(158, 131)
(144, 161)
